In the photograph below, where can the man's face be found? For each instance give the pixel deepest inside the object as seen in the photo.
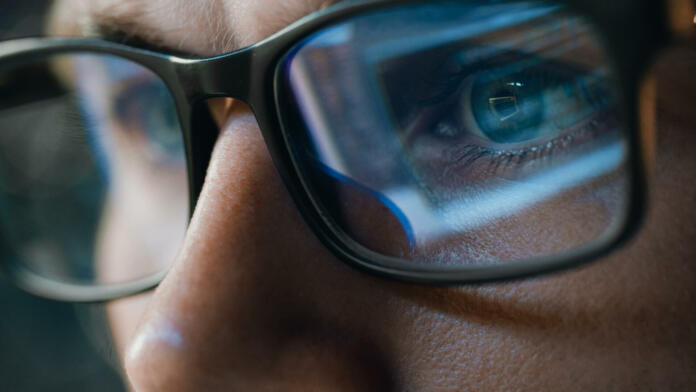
(255, 302)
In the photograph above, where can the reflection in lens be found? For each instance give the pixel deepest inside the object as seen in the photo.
(93, 185)
(456, 133)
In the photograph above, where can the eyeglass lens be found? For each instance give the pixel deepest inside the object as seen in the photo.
(439, 133)
(458, 133)
(93, 184)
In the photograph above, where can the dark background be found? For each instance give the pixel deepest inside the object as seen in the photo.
(47, 345)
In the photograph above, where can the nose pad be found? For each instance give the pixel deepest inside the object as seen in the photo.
(253, 300)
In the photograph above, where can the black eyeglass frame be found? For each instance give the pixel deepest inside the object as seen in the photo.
(634, 32)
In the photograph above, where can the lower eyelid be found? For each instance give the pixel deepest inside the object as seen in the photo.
(462, 157)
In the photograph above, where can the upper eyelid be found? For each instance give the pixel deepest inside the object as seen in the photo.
(559, 68)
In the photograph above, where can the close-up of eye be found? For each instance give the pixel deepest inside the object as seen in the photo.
(510, 118)
(137, 106)
(508, 108)
(533, 105)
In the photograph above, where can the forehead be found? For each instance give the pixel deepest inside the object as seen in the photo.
(201, 26)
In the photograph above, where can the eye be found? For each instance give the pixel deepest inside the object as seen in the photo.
(146, 107)
(504, 107)
(536, 103)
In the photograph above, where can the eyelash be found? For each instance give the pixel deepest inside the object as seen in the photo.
(502, 159)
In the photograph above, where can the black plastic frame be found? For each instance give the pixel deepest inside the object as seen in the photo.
(634, 30)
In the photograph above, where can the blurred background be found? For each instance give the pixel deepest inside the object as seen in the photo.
(47, 345)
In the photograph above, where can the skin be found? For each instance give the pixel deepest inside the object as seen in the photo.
(254, 302)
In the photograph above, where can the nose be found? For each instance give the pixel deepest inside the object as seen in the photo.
(253, 300)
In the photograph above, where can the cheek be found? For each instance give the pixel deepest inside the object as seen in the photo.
(142, 224)
(370, 222)
(140, 231)
(565, 222)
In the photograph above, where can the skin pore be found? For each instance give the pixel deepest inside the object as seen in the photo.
(255, 302)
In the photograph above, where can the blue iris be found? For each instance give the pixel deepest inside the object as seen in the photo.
(510, 109)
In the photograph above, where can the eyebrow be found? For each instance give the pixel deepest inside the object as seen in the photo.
(129, 32)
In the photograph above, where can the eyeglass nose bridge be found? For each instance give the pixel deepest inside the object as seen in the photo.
(228, 75)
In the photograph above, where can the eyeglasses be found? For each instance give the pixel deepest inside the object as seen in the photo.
(435, 142)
